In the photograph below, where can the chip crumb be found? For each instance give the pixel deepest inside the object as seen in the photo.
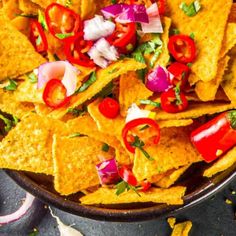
(229, 202)
(182, 229)
(171, 221)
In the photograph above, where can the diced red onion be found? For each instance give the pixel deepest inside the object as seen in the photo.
(28, 202)
(102, 53)
(60, 70)
(97, 28)
(124, 13)
(158, 80)
(134, 112)
(108, 172)
(154, 25)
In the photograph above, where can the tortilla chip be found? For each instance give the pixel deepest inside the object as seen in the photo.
(11, 9)
(88, 8)
(22, 24)
(169, 180)
(75, 162)
(174, 123)
(230, 39)
(28, 7)
(9, 105)
(171, 196)
(43, 3)
(221, 164)
(104, 77)
(174, 150)
(196, 110)
(208, 37)
(182, 229)
(28, 146)
(86, 125)
(206, 91)
(17, 54)
(232, 15)
(42, 109)
(158, 177)
(229, 80)
(28, 92)
(171, 221)
(131, 90)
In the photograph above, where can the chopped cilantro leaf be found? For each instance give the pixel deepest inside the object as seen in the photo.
(11, 86)
(176, 31)
(105, 147)
(191, 9)
(113, 1)
(177, 95)
(189, 64)
(87, 84)
(38, 40)
(192, 35)
(9, 124)
(41, 20)
(32, 77)
(56, 57)
(74, 135)
(149, 102)
(123, 186)
(68, 3)
(63, 36)
(140, 144)
(76, 112)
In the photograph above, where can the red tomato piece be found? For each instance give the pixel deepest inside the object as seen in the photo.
(180, 72)
(109, 107)
(173, 102)
(127, 175)
(145, 186)
(76, 48)
(37, 37)
(182, 48)
(124, 37)
(62, 22)
(54, 94)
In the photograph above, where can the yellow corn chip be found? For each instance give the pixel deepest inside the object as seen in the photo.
(230, 39)
(182, 229)
(131, 91)
(158, 177)
(9, 105)
(232, 15)
(174, 123)
(43, 3)
(174, 150)
(11, 9)
(42, 109)
(169, 180)
(208, 37)
(171, 196)
(206, 91)
(88, 8)
(75, 162)
(28, 146)
(22, 24)
(171, 221)
(222, 164)
(103, 78)
(17, 54)
(28, 7)
(196, 110)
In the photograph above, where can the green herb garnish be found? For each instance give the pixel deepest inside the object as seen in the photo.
(41, 20)
(12, 86)
(87, 84)
(56, 57)
(138, 56)
(189, 64)
(74, 135)
(149, 102)
(32, 78)
(124, 186)
(113, 71)
(191, 9)
(68, 3)
(38, 40)
(176, 31)
(140, 144)
(76, 112)
(9, 123)
(64, 36)
(177, 95)
(27, 15)
(105, 147)
(113, 1)
(192, 36)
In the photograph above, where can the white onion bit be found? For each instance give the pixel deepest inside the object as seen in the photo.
(134, 112)
(28, 202)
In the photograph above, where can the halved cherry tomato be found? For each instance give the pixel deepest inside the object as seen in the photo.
(124, 37)
(54, 94)
(76, 48)
(216, 137)
(182, 48)
(139, 122)
(62, 22)
(37, 37)
(127, 175)
(109, 107)
(173, 102)
(180, 72)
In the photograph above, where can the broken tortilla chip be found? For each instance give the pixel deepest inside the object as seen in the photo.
(171, 221)
(174, 150)
(28, 7)
(225, 162)
(75, 162)
(174, 123)
(208, 37)
(171, 196)
(103, 78)
(182, 229)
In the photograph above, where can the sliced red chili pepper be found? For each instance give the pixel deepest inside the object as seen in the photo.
(37, 37)
(62, 22)
(145, 186)
(109, 107)
(124, 37)
(135, 123)
(182, 48)
(161, 6)
(127, 175)
(180, 72)
(54, 94)
(76, 48)
(216, 137)
(173, 101)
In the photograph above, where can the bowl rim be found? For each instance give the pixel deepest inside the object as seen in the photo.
(116, 215)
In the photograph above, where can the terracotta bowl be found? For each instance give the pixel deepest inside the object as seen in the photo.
(199, 189)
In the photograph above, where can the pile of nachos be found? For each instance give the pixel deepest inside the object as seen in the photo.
(118, 99)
